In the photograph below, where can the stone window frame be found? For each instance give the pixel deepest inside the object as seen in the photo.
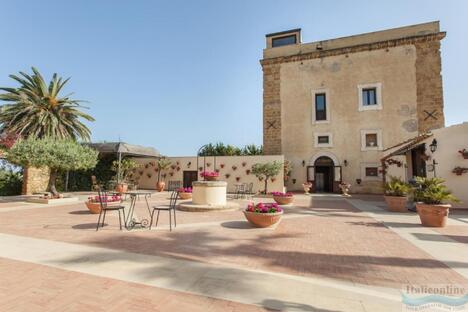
(365, 165)
(327, 107)
(330, 139)
(379, 146)
(378, 96)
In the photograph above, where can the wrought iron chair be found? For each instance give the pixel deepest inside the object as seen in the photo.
(103, 195)
(169, 208)
(249, 190)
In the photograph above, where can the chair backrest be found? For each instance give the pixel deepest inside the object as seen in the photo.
(93, 180)
(174, 197)
(102, 194)
(250, 187)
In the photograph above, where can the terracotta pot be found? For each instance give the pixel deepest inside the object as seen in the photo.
(263, 219)
(283, 200)
(160, 186)
(396, 203)
(121, 187)
(465, 155)
(185, 195)
(211, 178)
(433, 215)
(93, 207)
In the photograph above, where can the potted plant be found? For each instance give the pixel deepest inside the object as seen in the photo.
(94, 202)
(123, 169)
(306, 186)
(432, 197)
(263, 215)
(210, 175)
(345, 186)
(266, 171)
(464, 153)
(459, 170)
(163, 163)
(185, 192)
(283, 198)
(396, 194)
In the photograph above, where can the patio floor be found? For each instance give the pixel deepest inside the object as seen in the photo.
(327, 253)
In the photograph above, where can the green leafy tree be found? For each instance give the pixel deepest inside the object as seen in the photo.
(266, 171)
(58, 155)
(37, 109)
(163, 164)
(432, 191)
(125, 169)
(396, 187)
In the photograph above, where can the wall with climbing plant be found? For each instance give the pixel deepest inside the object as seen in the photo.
(232, 169)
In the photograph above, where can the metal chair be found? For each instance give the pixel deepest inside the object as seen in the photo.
(249, 190)
(103, 195)
(169, 208)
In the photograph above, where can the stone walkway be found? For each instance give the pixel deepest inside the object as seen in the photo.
(328, 254)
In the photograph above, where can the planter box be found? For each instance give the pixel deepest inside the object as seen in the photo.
(64, 200)
(283, 200)
(263, 220)
(396, 203)
(211, 178)
(433, 215)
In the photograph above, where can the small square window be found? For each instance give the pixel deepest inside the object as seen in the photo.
(371, 140)
(323, 139)
(372, 172)
(369, 96)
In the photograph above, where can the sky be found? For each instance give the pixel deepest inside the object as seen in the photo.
(178, 74)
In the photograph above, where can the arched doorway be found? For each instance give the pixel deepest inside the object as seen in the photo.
(324, 175)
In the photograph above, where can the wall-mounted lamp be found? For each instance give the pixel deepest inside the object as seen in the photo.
(345, 163)
(303, 163)
(433, 146)
(358, 181)
(294, 181)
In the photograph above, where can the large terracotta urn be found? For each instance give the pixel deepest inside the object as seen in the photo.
(160, 186)
(433, 215)
(263, 219)
(396, 203)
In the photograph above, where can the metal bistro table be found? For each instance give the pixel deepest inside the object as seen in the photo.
(131, 221)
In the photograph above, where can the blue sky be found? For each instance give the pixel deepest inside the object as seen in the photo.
(178, 74)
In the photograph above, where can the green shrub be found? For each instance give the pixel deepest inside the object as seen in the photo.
(432, 191)
(396, 187)
(10, 182)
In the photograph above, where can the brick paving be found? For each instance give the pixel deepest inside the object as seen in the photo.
(331, 239)
(32, 287)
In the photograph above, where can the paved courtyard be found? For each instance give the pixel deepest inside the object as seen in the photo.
(327, 254)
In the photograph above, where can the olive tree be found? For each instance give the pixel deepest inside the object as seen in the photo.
(57, 154)
(266, 171)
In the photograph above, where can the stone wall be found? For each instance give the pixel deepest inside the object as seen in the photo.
(271, 110)
(429, 85)
(35, 180)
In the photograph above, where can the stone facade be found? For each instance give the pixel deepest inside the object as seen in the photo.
(35, 180)
(429, 85)
(403, 64)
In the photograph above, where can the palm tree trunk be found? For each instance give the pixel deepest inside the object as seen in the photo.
(52, 179)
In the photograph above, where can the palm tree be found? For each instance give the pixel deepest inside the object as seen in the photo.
(35, 109)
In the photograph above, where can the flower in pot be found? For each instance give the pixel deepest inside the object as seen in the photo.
(464, 153)
(221, 165)
(345, 186)
(163, 164)
(396, 194)
(234, 168)
(227, 175)
(247, 171)
(123, 170)
(94, 202)
(208, 164)
(244, 164)
(263, 215)
(307, 186)
(283, 198)
(238, 179)
(459, 170)
(185, 192)
(432, 197)
(210, 175)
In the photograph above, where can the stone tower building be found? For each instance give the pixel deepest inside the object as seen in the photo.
(332, 106)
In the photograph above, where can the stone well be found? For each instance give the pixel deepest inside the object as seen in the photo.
(208, 196)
